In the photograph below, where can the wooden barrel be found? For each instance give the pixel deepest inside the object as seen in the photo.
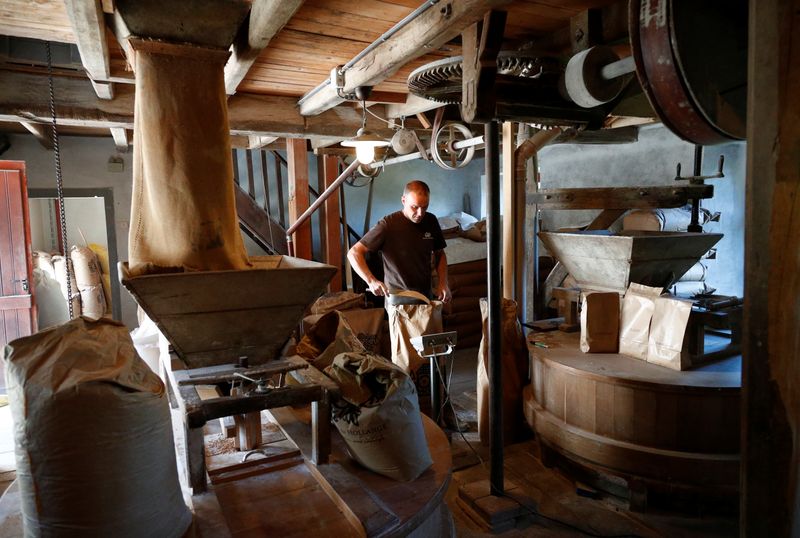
(654, 427)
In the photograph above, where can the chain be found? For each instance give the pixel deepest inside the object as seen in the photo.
(59, 182)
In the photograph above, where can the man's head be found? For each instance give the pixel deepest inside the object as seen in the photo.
(415, 200)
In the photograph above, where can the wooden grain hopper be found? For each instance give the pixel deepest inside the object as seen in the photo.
(601, 261)
(215, 317)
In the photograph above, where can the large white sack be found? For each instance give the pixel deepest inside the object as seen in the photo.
(93, 436)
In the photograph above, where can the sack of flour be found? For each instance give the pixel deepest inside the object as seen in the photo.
(600, 322)
(328, 337)
(634, 327)
(667, 331)
(93, 435)
(378, 416)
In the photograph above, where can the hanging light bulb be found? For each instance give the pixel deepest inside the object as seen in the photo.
(365, 141)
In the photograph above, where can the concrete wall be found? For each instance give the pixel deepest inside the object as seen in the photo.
(652, 161)
(84, 163)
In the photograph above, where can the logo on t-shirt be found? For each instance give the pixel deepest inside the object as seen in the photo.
(427, 235)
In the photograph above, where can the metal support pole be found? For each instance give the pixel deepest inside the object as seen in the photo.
(694, 225)
(492, 187)
(436, 390)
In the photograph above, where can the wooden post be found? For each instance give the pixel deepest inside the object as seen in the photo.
(333, 228)
(297, 158)
(771, 349)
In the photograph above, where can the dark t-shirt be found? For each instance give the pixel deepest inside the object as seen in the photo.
(406, 248)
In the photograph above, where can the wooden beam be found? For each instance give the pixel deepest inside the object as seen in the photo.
(771, 323)
(432, 29)
(620, 197)
(121, 141)
(42, 131)
(297, 159)
(89, 27)
(24, 97)
(258, 141)
(414, 105)
(333, 228)
(266, 19)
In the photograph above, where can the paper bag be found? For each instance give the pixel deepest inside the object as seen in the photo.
(378, 416)
(667, 330)
(328, 337)
(634, 328)
(514, 373)
(600, 322)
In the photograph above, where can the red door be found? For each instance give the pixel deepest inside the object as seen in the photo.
(16, 270)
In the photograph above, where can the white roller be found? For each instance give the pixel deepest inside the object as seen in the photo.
(584, 80)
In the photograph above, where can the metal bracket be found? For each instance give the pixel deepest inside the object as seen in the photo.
(698, 180)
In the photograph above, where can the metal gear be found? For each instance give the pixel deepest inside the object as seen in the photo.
(440, 81)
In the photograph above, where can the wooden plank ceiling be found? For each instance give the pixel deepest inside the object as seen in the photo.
(321, 35)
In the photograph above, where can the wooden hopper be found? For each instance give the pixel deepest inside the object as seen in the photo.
(215, 317)
(601, 261)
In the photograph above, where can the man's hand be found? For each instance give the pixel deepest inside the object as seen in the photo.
(443, 293)
(378, 288)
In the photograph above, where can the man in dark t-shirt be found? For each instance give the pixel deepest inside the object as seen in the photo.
(407, 239)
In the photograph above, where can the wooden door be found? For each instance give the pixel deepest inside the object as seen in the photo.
(16, 269)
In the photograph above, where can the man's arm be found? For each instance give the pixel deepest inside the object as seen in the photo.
(443, 288)
(356, 256)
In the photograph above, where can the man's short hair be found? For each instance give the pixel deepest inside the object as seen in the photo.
(417, 186)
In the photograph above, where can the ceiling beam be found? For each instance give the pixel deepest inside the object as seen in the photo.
(414, 105)
(120, 135)
(88, 24)
(429, 31)
(42, 131)
(266, 19)
(24, 97)
(258, 141)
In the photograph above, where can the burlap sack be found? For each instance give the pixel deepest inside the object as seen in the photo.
(514, 372)
(600, 322)
(93, 436)
(87, 268)
(634, 327)
(406, 322)
(378, 416)
(328, 337)
(667, 333)
(368, 325)
(183, 212)
(339, 300)
(44, 261)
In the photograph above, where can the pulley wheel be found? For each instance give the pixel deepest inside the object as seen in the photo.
(691, 60)
(403, 142)
(584, 81)
(443, 149)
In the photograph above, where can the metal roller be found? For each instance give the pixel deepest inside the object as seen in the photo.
(595, 76)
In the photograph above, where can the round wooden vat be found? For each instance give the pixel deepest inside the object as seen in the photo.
(650, 425)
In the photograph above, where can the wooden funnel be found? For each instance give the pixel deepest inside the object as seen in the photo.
(215, 317)
(601, 261)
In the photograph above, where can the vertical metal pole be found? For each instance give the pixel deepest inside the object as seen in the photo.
(492, 187)
(436, 402)
(694, 225)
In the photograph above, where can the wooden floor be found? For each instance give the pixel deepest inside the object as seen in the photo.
(561, 510)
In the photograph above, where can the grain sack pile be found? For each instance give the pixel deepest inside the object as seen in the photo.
(183, 213)
(93, 435)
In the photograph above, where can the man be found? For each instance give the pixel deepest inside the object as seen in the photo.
(407, 240)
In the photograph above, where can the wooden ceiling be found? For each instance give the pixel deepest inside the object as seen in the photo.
(320, 35)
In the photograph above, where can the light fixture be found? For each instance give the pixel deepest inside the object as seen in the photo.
(365, 141)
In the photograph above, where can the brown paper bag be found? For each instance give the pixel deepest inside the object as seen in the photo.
(405, 322)
(328, 337)
(667, 331)
(514, 371)
(637, 310)
(183, 211)
(338, 300)
(378, 416)
(600, 322)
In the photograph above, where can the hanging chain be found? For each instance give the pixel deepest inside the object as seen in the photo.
(59, 183)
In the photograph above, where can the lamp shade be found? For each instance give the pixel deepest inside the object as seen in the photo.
(365, 143)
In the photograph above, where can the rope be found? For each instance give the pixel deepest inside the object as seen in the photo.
(59, 181)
